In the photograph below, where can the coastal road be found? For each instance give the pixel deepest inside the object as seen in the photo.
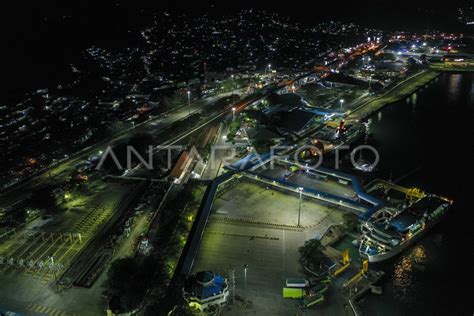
(400, 90)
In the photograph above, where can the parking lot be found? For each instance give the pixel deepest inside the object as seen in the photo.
(271, 256)
(251, 201)
(254, 225)
(45, 247)
(32, 258)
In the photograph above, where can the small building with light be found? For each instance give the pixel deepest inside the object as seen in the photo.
(205, 289)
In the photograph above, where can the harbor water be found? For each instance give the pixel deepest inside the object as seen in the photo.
(427, 141)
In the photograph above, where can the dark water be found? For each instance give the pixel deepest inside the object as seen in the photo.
(430, 137)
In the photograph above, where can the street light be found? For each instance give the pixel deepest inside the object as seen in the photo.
(342, 101)
(300, 190)
(233, 113)
(189, 102)
(233, 87)
(245, 281)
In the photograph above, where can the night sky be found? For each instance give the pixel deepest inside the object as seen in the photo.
(36, 35)
(388, 13)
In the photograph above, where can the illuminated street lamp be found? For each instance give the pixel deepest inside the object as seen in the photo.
(341, 101)
(189, 102)
(233, 87)
(233, 113)
(268, 68)
(300, 190)
(245, 280)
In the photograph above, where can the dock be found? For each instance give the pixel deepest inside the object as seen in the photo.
(362, 287)
(352, 278)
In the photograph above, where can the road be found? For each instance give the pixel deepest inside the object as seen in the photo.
(155, 126)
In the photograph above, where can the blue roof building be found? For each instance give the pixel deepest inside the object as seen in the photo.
(205, 289)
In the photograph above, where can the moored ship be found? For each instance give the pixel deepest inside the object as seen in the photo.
(391, 230)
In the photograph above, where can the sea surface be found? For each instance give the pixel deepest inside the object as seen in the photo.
(427, 141)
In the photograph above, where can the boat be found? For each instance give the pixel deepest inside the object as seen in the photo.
(364, 166)
(391, 230)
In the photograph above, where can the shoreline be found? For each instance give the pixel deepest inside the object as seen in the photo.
(400, 91)
(446, 67)
(403, 89)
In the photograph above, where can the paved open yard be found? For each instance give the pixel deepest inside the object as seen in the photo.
(271, 255)
(29, 289)
(242, 231)
(254, 202)
(33, 297)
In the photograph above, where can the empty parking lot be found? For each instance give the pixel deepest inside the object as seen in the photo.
(255, 225)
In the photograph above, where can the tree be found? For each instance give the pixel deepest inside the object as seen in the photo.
(43, 198)
(174, 100)
(141, 143)
(351, 222)
(310, 246)
(183, 310)
(234, 126)
(390, 56)
(311, 253)
(412, 64)
(128, 281)
(118, 272)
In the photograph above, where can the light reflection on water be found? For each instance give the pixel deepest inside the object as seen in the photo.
(368, 124)
(454, 87)
(368, 128)
(404, 283)
(412, 99)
